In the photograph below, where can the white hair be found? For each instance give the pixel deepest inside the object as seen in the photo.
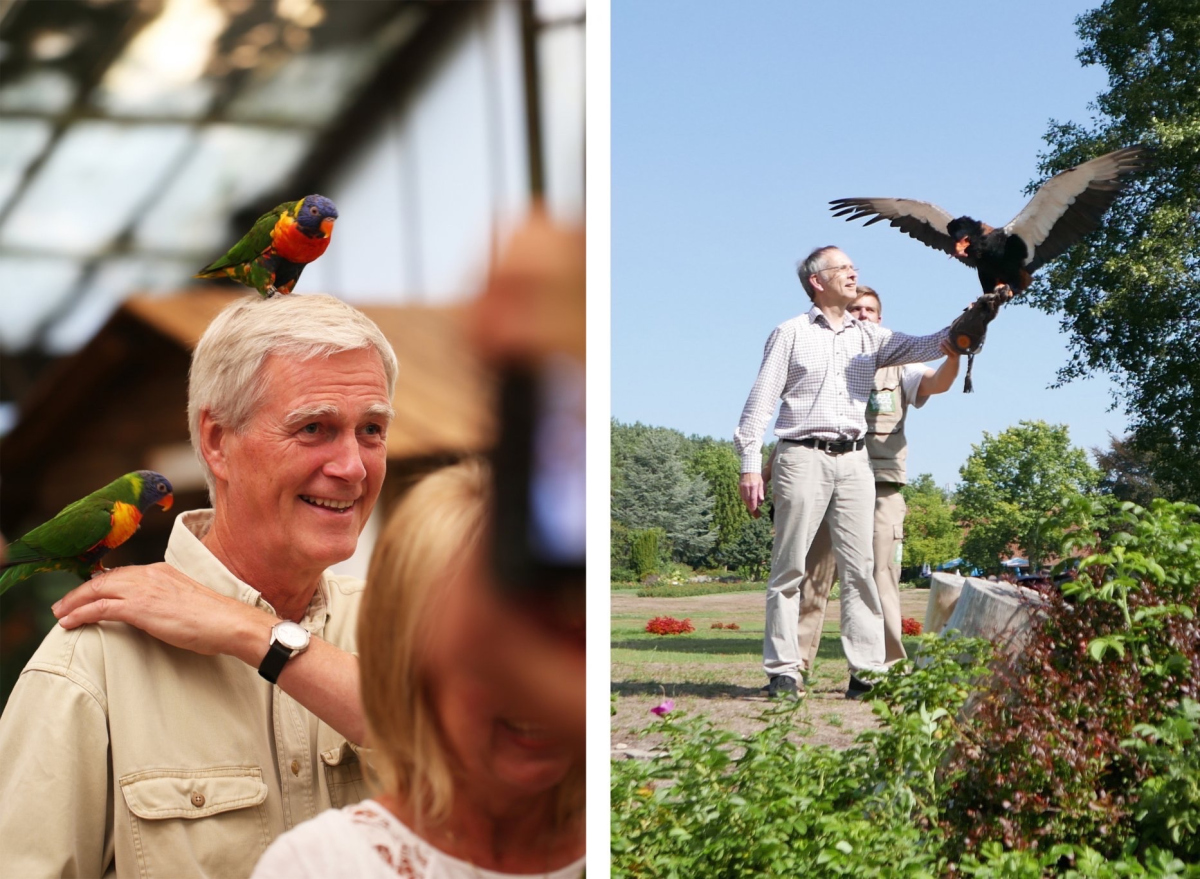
(225, 377)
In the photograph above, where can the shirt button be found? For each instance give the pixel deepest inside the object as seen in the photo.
(197, 799)
(295, 767)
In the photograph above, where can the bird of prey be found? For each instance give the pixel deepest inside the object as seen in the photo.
(1065, 208)
(79, 536)
(271, 256)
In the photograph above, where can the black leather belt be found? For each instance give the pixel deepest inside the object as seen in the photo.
(832, 447)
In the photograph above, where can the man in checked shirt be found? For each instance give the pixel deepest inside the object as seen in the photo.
(821, 367)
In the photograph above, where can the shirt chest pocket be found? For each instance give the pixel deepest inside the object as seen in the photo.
(884, 411)
(343, 775)
(201, 822)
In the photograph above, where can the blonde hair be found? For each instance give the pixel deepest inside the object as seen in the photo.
(432, 532)
(225, 377)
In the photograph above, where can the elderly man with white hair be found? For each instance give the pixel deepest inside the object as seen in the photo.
(128, 755)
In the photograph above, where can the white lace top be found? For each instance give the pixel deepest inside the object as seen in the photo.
(366, 841)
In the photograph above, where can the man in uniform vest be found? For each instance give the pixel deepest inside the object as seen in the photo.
(896, 387)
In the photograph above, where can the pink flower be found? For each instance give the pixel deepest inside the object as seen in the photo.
(663, 708)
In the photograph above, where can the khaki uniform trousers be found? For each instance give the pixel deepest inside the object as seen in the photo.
(811, 487)
(821, 569)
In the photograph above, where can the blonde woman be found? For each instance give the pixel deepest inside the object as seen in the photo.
(468, 787)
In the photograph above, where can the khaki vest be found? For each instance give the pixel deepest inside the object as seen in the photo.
(886, 410)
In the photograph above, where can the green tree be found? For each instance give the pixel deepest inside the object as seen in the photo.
(656, 492)
(931, 534)
(1010, 481)
(1130, 298)
(750, 551)
(1127, 474)
(717, 462)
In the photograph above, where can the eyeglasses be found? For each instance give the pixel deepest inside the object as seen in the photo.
(848, 265)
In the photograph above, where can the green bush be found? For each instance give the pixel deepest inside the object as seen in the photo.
(686, 590)
(644, 550)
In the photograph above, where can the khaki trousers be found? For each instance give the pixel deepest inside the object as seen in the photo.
(809, 488)
(821, 569)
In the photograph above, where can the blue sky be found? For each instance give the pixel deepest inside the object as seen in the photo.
(733, 125)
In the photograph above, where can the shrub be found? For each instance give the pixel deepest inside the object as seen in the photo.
(1046, 759)
(909, 626)
(643, 552)
(717, 626)
(669, 626)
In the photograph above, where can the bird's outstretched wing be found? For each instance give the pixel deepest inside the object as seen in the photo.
(922, 220)
(1072, 203)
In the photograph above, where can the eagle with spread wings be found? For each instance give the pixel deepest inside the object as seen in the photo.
(1065, 208)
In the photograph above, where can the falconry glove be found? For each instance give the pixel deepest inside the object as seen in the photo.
(969, 329)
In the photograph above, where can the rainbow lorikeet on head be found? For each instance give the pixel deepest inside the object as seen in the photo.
(271, 256)
(77, 538)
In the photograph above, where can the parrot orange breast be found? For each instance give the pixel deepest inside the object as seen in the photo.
(125, 521)
(293, 245)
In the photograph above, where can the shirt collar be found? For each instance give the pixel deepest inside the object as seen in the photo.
(186, 551)
(816, 316)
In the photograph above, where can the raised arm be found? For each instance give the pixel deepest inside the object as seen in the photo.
(172, 607)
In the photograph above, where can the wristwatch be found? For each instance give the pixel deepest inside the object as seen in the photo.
(287, 639)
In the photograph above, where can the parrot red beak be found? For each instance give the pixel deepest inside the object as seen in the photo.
(327, 226)
(166, 502)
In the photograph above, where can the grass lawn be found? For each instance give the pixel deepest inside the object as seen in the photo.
(718, 672)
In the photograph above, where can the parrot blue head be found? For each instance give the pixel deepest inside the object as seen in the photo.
(156, 489)
(316, 216)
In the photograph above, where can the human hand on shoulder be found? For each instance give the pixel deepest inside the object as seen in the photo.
(164, 603)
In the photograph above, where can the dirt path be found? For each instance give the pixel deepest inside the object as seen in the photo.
(718, 672)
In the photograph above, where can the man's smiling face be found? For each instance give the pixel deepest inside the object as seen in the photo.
(305, 472)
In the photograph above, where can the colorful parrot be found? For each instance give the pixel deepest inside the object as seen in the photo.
(77, 538)
(271, 256)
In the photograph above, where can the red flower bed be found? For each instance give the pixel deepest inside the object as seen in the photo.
(669, 626)
(909, 626)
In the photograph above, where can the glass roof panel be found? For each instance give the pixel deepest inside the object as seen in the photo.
(233, 165)
(98, 175)
(160, 70)
(33, 287)
(309, 89)
(40, 91)
(23, 140)
(113, 282)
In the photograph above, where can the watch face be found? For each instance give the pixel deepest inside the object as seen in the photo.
(291, 635)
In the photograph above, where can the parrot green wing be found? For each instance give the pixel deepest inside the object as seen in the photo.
(252, 244)
(68, 535)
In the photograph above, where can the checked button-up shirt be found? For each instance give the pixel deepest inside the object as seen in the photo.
(823, 377)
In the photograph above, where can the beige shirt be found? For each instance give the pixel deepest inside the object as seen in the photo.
(127, 757)
(894, 389)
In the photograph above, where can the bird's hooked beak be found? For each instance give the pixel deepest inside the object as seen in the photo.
(961, 245)
(327, 226)
(166, 502)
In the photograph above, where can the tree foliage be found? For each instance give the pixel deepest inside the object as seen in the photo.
(718, 463)
(931, 534)
(1130, 298)
(1010, 482)
(1127, 473)
(654, 490)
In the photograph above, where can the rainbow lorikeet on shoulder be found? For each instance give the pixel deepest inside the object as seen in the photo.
(271, 256)
(77, 538)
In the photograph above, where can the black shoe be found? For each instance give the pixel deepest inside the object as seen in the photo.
(784, 685)
(857, 688)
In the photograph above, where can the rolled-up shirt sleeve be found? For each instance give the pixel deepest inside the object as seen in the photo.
(55, 818)
(764, 396)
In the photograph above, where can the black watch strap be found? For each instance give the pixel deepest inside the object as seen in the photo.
(273, 663)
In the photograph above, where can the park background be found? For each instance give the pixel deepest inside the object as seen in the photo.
(732, 128)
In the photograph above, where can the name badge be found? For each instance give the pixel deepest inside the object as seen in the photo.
(882, 402)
